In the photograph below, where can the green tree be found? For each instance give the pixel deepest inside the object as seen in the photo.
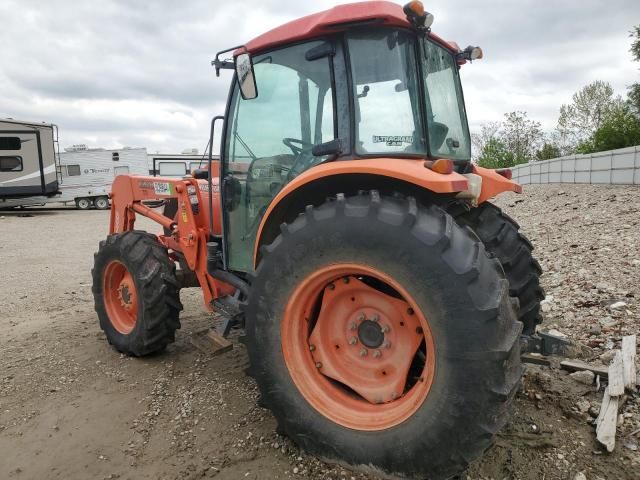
(494, 154)
(585, 114)
(488, 131)
(635, 45)
(548, 151)
(634, 89)
(521, 136)
(620, 129)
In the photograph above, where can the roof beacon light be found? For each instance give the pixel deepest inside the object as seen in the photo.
(417, 16)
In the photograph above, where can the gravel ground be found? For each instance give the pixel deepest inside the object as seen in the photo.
(71, 407)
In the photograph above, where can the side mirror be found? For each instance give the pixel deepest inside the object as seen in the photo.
(246, 77)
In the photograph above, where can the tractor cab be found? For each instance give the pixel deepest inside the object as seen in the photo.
(360, 81)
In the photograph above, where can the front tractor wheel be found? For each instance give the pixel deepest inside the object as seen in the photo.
(135, 293)
(382, 335)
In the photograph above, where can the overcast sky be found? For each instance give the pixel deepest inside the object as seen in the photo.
(128, 73)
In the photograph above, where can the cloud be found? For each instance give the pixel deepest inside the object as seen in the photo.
(119, 73)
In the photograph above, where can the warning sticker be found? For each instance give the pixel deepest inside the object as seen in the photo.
(162, 188)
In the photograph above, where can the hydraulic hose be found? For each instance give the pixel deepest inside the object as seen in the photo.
(231, 279)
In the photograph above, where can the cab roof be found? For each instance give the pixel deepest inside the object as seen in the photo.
(336, 19)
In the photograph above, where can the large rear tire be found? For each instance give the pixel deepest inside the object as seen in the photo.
(320, 290)
(136, 293)
(502, 238)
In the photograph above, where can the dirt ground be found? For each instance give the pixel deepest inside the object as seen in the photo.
(71, 407)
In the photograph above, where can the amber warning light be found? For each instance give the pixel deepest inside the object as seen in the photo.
(417, 16)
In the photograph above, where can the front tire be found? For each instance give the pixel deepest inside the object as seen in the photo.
(393, 249)
(136, 293)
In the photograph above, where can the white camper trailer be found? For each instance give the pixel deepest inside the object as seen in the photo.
(87, 174)
(176, 165)
(28, 162)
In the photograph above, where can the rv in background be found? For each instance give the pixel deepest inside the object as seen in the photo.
(177, 165)
(28, 163)
(87, 174)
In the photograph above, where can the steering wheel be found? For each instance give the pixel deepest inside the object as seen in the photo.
(297, 150)
(301, 150)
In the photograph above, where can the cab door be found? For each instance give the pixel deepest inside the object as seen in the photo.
(269, 140)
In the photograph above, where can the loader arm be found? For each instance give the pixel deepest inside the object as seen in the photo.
(189, 228)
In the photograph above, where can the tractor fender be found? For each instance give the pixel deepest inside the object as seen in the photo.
(405, 170)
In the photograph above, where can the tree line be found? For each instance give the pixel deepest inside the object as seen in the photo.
(596, 120)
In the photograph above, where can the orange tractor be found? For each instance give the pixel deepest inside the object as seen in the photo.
(346, 230)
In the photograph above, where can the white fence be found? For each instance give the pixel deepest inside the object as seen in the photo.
(620, 167)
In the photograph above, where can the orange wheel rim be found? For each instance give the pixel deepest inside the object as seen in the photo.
(358, 347)
(120, 297)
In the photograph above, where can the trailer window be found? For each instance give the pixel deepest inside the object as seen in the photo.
(73, 170)
(120, 171)
(10, 164)
(172, 169)
(10, 143)
(196, 165)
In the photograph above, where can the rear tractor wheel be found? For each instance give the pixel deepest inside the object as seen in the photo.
(136, 293)
(381, 335)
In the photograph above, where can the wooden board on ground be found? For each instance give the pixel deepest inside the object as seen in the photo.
(616, 375)
(606, 421)
(629, 361)
(577, 365)
(209, 341)
(536, 359)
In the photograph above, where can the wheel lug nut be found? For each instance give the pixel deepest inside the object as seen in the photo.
(387, 344)
(353, 341)
(363, 352)
(361, 317)
(375, 318)
(345, 279)
(319, 365)
(385, 329)
(419, 330)
(377, 353)
(331, 286)
(312, 347)
(353, 326)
